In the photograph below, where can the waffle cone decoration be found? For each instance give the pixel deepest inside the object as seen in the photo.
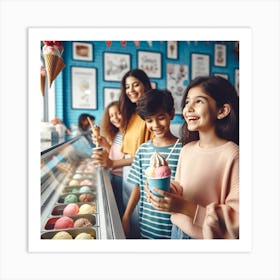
(59, 67)
(50, 62)
(52, 52)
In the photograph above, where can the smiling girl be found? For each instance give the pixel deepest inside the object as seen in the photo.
(204, 198)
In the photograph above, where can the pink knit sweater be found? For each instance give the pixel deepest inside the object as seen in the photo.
(210, 178)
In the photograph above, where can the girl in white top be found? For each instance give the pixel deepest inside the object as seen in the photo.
(112, 130)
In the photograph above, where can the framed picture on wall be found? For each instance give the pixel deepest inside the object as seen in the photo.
(172, 49)
(110, 95)
(220, 55)
(115, 66)
(200, 65)
(83, 88)
(176, 77)
(150, 62)
(223, 75)
(82, 51)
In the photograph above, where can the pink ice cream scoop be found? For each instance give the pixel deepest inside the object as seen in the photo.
(64, 222)
(71, 209)
(162, 171)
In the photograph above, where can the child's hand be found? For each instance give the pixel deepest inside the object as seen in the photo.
(101, 159)
(98, 141)
(175, 188)
(170, 202)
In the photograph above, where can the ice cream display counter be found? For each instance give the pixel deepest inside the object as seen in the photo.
(77, 201)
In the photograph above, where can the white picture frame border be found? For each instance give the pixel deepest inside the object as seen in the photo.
(77, 56)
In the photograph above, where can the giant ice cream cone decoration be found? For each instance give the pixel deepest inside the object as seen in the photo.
(52, 52)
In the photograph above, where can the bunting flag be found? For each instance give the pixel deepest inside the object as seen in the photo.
(123, 43)
(137, 43)
(150, 43)
(108, 44)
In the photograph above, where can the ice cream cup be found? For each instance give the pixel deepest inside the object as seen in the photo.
(160, 183)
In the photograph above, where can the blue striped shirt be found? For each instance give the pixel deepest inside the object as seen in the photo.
(154, 224)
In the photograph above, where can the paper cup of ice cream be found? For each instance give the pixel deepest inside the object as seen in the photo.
(160, 183)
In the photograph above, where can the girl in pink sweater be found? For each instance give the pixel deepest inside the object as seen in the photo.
(204, 198)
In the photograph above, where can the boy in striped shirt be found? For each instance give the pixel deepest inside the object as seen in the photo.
(156, 107)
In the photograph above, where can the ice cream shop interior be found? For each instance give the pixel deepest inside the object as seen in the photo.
(83, 198)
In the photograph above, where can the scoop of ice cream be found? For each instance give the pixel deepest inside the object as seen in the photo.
(86, 197)
(70, 198)
(162, 171)
(74, 183)
(150, 172)
(77, 176)
(84, 235)
(64, 222)
(157, 160)
(87, 209)
(62, 235)
(85, 189)
(71, 209)
(86, 182)
(82, 222)
(155, 169)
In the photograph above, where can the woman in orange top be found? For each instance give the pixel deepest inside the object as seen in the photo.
(134, 83)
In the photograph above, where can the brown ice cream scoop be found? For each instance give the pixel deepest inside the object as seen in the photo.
(82, 222)
(86, 197)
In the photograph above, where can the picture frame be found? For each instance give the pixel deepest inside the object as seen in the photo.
(82, 51)
(110, 95)
(176, 77)
(150, 62)
(172, 49)
(223, 75)
(115, 66)
(83, 88)
(200, 65)
(220, 55)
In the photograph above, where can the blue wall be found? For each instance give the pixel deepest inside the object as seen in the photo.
(70, 116)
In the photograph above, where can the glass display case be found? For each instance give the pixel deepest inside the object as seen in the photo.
(77, 201)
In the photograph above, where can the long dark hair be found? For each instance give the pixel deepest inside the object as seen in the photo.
(127, 108)
(223, 92)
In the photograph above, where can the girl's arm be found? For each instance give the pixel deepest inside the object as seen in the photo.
(132, 202)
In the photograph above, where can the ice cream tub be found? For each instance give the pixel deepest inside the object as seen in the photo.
(88, 197)
(58, 209)
(71, 233)
(160, 183)
(91, 221)
(78, 189)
